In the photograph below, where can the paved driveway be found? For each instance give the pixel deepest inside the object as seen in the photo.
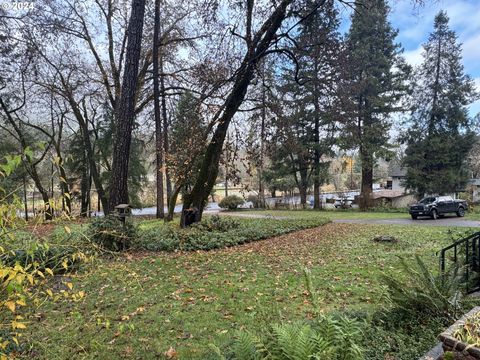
(446, 221)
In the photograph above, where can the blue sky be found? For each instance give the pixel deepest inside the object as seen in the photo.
(415, 23)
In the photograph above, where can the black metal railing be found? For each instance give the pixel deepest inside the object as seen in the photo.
(464, 253)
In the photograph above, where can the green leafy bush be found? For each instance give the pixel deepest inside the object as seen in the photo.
(423, 292)
(217, 232)
(165, 237)
(217, 223)
(111, 234)
(25, 272)
(323, 338)
(231, 202)
(42, 256)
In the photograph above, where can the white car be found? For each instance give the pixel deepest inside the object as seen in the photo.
(343, 203)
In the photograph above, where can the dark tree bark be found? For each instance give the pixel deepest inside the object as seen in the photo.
(302, 182)
(316, 156)
(158, 119)
(172, 203)
(366, 201)
(66, 196)
(84, 188)
(261, 187)
(126, 107)
(166, 145)
(257, 48)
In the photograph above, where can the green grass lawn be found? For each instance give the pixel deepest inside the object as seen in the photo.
(334, 214)
(140, 304)
(331, 214)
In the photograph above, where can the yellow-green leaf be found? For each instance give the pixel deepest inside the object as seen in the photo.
(10, 305)
(18, 325)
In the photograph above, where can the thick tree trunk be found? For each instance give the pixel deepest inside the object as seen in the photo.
(303, 196)
(261, 188)
(316, 159)
(158, 119)
(166, 145)
(209, 168)
(126, 107)
(367, 183)
(316, 139)
(84, 193)
(171, 204)
(303, 186)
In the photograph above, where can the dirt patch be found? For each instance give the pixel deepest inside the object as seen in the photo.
(41, 230)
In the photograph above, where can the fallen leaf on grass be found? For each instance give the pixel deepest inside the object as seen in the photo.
(170, 353)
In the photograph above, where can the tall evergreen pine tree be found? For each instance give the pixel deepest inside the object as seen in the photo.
(440, 136)
(308, 96)
(375, 82)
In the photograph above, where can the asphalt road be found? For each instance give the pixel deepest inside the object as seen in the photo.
(446, 221)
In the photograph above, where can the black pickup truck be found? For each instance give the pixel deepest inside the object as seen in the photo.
(435, 206)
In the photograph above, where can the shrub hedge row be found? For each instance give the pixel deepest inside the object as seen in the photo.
(216, 233)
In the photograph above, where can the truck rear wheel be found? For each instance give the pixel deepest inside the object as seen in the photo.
(414, 217)
(461, 212)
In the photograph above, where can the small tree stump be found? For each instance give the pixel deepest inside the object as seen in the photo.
(385, 239)
(190, 216)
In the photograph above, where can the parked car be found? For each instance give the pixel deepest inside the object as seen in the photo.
(343, 203)
(435, 206)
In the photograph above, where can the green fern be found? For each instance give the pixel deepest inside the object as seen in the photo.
(327, 338)
(424, 292)
(248, 347)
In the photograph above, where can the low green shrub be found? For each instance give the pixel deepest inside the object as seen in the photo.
(217, 232)
(231, 202)
(423, 292)
(393, 334)
(165, 237)
(59, 259)
(111, 234)
(217, 223)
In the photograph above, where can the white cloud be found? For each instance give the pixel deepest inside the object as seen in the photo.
(414, 57)
(471, 50)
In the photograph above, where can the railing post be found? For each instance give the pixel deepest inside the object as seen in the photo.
(470, 259)
(467, 265)
(442, 261)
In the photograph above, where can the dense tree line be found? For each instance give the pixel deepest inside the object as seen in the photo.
(97, 95)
